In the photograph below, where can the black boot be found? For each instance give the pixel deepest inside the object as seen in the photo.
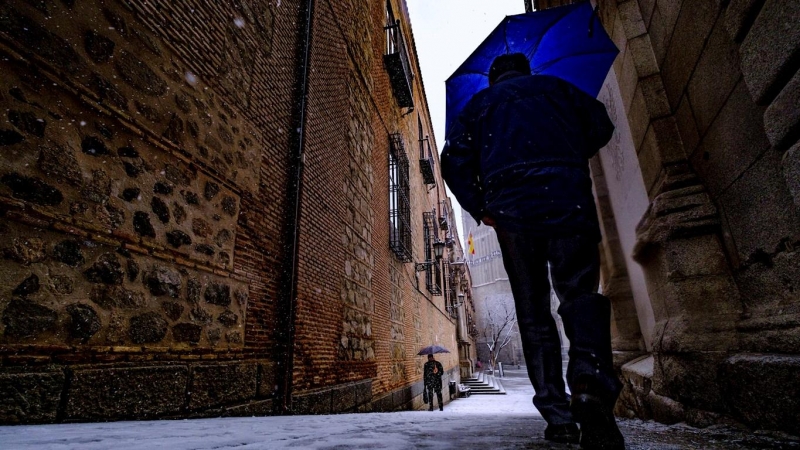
(599, 429)
(567, 433)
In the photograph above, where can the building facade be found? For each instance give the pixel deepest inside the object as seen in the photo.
(218, 209)
(698, 192)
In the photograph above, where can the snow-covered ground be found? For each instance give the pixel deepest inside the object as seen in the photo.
(491, 422)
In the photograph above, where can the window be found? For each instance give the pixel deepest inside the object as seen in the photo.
(399, 205)
(433, 272)
(395, 58)
(425, 155)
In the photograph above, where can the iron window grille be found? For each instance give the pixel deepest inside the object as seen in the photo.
(399, 204)
(450, 294)
(395, 58)
(433, 271)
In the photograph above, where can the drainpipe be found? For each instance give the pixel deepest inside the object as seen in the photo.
(287, 303)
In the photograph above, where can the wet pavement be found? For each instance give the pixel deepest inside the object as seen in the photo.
(479, 422)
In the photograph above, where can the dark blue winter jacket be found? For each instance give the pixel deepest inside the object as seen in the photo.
(519, 153)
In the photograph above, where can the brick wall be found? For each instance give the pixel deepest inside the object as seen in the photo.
(146, 158)
(360, 312)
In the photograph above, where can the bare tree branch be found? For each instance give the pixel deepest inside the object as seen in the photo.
(498, 331)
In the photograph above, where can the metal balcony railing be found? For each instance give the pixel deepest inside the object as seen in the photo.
(396, 60)
(444, 215)
(426, 161)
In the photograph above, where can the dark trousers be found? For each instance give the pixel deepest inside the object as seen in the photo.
(431, 390)
(574, 264)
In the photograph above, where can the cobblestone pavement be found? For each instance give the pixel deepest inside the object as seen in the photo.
(478, 422)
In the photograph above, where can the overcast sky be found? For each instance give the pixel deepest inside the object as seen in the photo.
(446, 32)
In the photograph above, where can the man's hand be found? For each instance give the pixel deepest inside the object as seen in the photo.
(488, 221)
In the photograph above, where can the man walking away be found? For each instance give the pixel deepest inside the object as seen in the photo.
(517, 159)
(432, 375)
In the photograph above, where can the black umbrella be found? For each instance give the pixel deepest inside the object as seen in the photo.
(431, 349)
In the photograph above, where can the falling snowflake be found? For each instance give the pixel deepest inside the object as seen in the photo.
(239, 22)
(191, 78)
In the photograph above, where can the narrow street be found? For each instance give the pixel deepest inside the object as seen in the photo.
(478, 422)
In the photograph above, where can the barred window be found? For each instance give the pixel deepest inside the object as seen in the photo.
(433, 272)
(399, 205)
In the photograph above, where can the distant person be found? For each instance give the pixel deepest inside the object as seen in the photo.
(432, 376)
(517, 159)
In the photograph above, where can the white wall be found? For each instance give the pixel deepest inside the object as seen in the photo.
(627, 196)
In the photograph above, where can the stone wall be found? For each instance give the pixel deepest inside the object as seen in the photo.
(717, 242)
(128, 185)
(143, 188)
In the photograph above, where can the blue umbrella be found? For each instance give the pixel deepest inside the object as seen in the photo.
(431, 349)
(567, 42)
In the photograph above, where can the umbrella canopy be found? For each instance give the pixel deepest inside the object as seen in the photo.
(431, 349)
(567, 42)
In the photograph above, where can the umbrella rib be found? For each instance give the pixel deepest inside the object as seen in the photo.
(505, 36)
(562, 58)
(546, 30)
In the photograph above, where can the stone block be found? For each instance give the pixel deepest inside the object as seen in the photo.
(782, 117)
(312, 403)
(343, 398)
(665, 409)
(638, 118)
(363, 392)
(628, 79)
(771, 48)
(732, 144)
(791, 172)
(25, 319)
(643, 57)
(30, 397)
(769, 286)
(758, 386)
(739, 15)
(617, 35)
(402, 397)
(688, 40)
(670, 11)
(632, 20)
(221, 384)
(639, 373)
(694, 256)
(654, 96)
(267, 379)
(684, 116)
(691, 379)
(659, 36)
(708, 301)
(647, 7)
(715, 76)
(650, 160)
(383, 404)
(417, 388)
(126, 392)
(252, 409)
(760, 197)
(668, 138)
